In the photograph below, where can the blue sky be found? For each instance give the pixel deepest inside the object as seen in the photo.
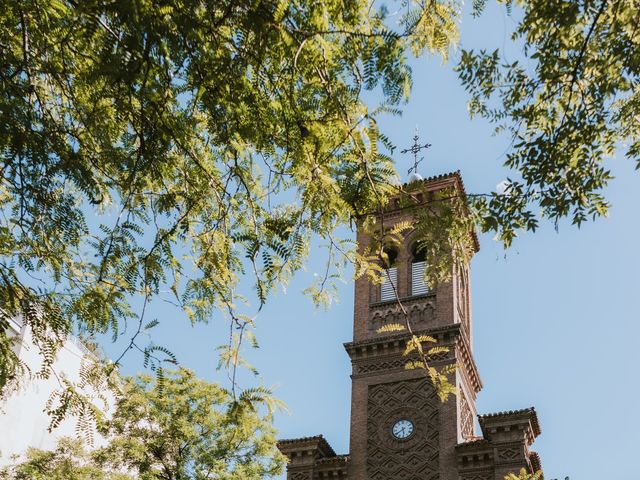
(555, 317)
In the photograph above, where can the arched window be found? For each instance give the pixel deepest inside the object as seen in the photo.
(418, 265)
(389, 276)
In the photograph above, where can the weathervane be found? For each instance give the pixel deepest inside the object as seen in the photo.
(415, 149)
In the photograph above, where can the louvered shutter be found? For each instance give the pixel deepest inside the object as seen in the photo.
(389, 284)
(418, 285)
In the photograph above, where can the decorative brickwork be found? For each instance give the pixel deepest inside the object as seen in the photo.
(300, 476)
(508, 453)
(466, 418)
(421, 313)
(478, 476)
(462, 280)
(396, 363)
(414, 458)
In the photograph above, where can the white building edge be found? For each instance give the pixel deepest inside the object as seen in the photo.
(23, 420)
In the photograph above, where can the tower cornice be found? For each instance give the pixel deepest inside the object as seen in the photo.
(391, 347)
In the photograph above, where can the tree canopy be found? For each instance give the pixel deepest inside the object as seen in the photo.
(167, 149)
(175, 146)
(68, 461)
(569, 103)
(177, 427)
(180, 427)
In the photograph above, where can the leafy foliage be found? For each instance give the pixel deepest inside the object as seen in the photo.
(191, 429)
(166, 149)
(420, 357)
(444, 231)
(174, 146)
(11, 368)
(391, 327)
(524, 475)
(86, 399)
(69, 461)
(570, 104)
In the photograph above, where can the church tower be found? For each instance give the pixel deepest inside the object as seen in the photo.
(400, 430)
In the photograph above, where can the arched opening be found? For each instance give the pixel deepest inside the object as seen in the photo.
(389, 284)
(418, 265)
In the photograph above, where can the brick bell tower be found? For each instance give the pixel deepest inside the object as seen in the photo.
(400, 430)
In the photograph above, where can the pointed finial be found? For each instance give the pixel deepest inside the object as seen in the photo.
(415, 149)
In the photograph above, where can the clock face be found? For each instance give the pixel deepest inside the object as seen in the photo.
(402, 429)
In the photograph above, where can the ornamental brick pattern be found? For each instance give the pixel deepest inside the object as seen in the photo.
(421, 310)
(415, 458)
(440, 442)
(466, 418)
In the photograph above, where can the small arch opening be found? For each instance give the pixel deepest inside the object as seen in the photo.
(418, 269)
(390, 256)
(389, 285)
(418, 253)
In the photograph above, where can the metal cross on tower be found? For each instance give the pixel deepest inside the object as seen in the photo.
(415, 149)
